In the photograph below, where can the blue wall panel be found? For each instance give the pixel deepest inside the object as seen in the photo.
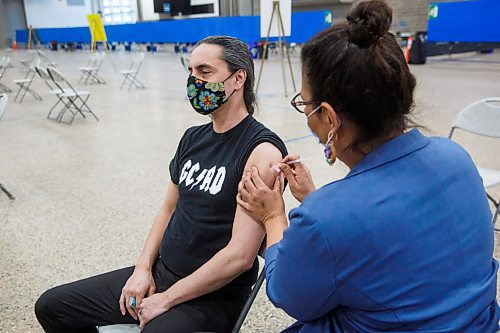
(469, 21)
(247, 28)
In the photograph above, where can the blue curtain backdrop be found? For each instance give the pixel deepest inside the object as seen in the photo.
(247, 28)
(469, 21)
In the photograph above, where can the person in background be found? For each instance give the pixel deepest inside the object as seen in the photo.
(405, 241)
(199, 261)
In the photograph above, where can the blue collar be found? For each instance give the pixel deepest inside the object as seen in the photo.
(393, 149)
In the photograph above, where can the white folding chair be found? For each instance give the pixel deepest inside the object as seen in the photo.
(25, 84)
(3, 104)
(91, 71)
(4, 64)
(8, 52)
(46, 61)
(185, 63)
(44, 75)
(25, 63)
(130, 75)
(483, 118)
(74, 100)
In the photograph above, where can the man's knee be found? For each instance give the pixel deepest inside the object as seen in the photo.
(46, 305)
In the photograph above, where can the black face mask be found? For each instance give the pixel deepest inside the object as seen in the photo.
(206, 97)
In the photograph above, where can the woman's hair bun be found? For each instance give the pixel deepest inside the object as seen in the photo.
(368, 21)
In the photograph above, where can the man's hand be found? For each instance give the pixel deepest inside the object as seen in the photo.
(151, 307)
(140, 284)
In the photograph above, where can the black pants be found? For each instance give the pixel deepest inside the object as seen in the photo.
(80, 306)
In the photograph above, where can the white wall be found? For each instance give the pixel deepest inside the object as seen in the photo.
(14, 17)
(148, 10)
(56, 13)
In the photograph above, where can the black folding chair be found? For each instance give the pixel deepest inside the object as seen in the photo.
(128, 328)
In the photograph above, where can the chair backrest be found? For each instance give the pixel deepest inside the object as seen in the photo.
(42, 72)
(42, 55)
(59, 79)
(56, 75)
(185, 63)
(3, 104)
(4, 64)
(137, 62)
(481, 118)
(44, 75)
(99, 59)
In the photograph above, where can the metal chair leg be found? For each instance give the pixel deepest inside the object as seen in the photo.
(7, 193)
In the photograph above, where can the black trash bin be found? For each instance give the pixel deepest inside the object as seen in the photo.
(260, 47)
(417, 52)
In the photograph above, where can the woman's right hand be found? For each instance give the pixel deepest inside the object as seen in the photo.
(298, 176)
(141, 284)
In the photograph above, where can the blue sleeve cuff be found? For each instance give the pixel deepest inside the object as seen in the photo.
(271, 254)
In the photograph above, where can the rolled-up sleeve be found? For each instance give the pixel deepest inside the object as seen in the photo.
(300, 270)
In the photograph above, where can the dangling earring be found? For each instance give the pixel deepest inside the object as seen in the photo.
(330, 153)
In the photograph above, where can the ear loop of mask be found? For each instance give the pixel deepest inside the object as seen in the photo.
(227, 97)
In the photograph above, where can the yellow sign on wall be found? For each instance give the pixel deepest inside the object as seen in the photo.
(96, 28)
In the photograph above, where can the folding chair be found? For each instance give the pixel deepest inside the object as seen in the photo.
(91, 71)
(46, 61)
(483, 118)
(185, 63)
(3, 104)
(25, 63)
(25, 84)
(74, 100)
(128, 328)
(53, 89)
(130, 75)
(8, 52)
(4, 64)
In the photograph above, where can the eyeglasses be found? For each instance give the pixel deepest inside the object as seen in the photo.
(300, 105)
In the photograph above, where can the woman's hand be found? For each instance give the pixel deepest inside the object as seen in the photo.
(257, 199)
(151, 307)
(139, 285)
(298, 176)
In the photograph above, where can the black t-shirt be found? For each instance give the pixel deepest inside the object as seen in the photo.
(207, 168)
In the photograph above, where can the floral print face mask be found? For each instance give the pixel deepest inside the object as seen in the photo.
(206, 97)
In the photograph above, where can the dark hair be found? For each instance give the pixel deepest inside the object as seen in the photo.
(358, 68)
(237, 56)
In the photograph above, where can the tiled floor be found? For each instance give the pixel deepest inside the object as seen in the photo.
(86, 193)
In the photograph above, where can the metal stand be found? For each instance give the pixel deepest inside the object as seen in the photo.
(7, 193)
(281, 33)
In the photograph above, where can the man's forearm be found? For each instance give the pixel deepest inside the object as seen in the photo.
(151, 248)
(214, 274)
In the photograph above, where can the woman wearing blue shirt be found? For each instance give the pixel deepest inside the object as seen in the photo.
(404, 242)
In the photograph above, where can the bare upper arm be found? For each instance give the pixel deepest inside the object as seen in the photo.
(171, 198)
(247, 233)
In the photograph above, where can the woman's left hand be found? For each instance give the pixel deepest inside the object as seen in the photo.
(151, 307)
(257, 199)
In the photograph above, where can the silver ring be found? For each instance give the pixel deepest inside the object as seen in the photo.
(132, 302)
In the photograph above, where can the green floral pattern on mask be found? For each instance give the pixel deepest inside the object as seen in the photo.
(217, 86)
